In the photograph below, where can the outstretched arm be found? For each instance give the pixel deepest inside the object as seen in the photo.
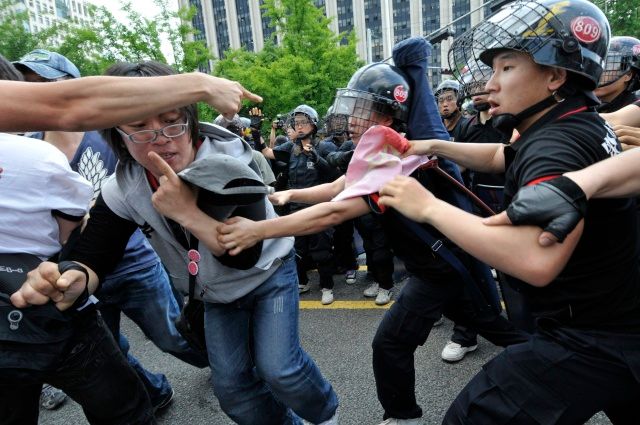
(311, 195)
(513, 250)
(484, 157)
(99, 102)
(237, 234)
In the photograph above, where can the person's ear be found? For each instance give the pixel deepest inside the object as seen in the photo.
(557, 77)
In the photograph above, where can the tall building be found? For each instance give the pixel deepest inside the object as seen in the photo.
(378, 24)
(44, 13)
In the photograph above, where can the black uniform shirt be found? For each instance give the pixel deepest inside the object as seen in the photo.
(623, 99)
(599, 288)
(418, 258)
(476, 132)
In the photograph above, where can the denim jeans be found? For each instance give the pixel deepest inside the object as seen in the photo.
(93, 372)
(260, 373)
(146, 297)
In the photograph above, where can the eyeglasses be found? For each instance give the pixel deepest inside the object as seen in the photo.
(444, 99)
(297, 123)
(150, 136)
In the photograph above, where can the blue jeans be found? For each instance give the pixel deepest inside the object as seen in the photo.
(93, 372)
(146, 297)
(259, 372)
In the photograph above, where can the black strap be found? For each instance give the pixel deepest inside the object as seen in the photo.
(438, 247)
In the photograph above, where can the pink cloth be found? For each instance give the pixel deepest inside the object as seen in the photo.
(376, 160)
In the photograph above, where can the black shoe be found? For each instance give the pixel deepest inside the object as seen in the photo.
(163, 402)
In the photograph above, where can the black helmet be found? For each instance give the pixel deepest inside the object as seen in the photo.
(377, 87)
(308, 111)
(623, 56)
(336, 124)
(474, 80)
(569, 34)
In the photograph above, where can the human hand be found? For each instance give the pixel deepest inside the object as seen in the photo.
(256, 117)
(238, 233)
(557, 205)
(420, 147)
(45, 283)
(629, 136)
(280, 198)
(226, 96)
(174, 198)
(408, 196)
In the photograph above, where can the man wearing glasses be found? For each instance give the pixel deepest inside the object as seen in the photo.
(447, 96)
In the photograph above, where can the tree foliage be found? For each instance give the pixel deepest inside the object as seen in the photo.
(306, 67)
(104, 40)
(623, 15)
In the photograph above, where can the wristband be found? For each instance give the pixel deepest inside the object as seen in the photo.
(64, 266)
(569, 191)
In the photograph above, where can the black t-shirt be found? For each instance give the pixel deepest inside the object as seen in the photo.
(623, 99)
(418, 257)
(476, 132)
(599, 288)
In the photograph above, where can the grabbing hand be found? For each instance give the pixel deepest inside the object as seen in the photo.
(408, 196)
(629, 136)
(237, 234)
(420, 147)
(45, 283)
(174, 199)
(557, 205)
(280, 198)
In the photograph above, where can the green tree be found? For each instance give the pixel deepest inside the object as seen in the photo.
(104, 40)
(623, 15)
(307, 67)
(16, 39)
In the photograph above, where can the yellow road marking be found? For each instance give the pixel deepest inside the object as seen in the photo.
(342, 305)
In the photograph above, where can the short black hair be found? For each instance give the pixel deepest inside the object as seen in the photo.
(146, 69)
(8, 71)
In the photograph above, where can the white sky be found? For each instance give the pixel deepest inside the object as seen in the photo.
(146, 8)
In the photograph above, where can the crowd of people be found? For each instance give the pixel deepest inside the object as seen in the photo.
(511, 184)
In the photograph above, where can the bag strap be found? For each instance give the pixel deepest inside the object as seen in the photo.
(438, 247)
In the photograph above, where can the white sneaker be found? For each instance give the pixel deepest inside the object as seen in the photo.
(383, 297)
(351, 276)
(327, 296)
(454, 352)
(372, 290)
(304, 288)
(394, 421)
(331, 421)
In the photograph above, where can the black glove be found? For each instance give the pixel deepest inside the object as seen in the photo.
(557, 205)
(340, 159)
(256, 122)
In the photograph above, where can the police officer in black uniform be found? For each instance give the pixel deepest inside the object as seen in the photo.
(308, 167)
(584, 356)
(376, 246)
(621, 76)
(379, 94)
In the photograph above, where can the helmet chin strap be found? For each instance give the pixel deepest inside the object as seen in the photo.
(451, 115)
(505, 123)
(481, 107)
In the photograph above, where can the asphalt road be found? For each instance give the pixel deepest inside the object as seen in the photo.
(339, 339)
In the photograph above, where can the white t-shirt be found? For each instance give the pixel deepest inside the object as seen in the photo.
(35, 182)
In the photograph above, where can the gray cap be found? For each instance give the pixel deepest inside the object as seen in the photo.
(224, 181)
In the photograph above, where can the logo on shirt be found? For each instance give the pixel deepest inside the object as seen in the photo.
(610, 144)
(92, 168)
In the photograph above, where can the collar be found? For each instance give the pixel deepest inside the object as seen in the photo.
(568, 107)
